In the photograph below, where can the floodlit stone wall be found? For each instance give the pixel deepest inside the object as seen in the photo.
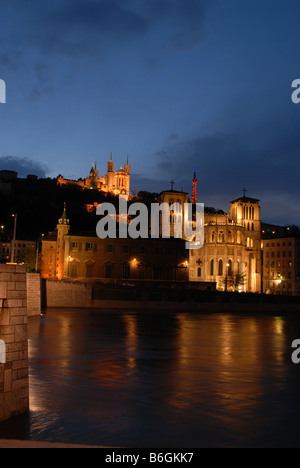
(14, 384)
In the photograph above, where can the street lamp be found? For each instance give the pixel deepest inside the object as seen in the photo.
(13, 242)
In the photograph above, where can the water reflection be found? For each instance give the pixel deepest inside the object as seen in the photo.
(161, 380)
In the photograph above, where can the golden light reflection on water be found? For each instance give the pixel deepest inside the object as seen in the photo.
(131, 340)
(209, 367)
(232, 357)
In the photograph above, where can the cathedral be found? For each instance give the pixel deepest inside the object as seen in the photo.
(115, 182)
(231, 254)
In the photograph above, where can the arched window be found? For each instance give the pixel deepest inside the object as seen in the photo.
(239, 237)
(229, 267)
(125, 271)
(213, 237)
(212, 265)
(221, 267)
(221, 237)
(199, 272)
(230, 237)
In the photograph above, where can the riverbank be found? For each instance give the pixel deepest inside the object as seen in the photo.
(25, 444)
(159, 296)
(197, 307)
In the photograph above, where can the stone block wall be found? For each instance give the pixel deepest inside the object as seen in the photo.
(34, 300)
(68, 294)
(14, 383)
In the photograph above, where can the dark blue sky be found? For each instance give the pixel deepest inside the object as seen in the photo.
(174, 84)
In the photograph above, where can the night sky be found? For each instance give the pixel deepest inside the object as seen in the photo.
(174, 84)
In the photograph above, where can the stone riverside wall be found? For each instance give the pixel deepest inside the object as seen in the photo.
(14, 385)
(181, 296)
(67, 294)
(34, 300)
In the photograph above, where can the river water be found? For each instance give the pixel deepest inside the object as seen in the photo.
(162, 379)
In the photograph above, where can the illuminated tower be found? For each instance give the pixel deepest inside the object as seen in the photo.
(63, 228)
(194, 193)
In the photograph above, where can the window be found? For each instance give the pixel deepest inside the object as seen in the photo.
(156, 272)
(199, 272)
(90, 246)
(125, 271)
(90, 266)
(211, 268)
(108, 270)
(73, 270)
(220, 267)
(109, 248)
(125, 249)
(142, 271)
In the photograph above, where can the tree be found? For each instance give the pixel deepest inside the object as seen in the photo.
(29, 258)
(233, 280)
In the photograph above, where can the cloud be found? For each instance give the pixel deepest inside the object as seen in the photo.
(78, 27)
(23, 166)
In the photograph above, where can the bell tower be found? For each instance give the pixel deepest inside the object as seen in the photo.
(194, 192)
(63, 228)
(110, 174)
(245, 212)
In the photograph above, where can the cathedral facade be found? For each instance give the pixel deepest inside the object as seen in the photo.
(115, 182)
(231, 254)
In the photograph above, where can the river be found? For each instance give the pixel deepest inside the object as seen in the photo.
(161, 379)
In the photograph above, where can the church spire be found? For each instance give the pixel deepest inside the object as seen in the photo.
(64, 218)
(194, 192)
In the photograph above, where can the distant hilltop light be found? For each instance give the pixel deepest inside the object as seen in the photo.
(2, 92)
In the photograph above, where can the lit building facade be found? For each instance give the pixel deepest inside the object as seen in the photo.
(21, 247)
(85, 257)
(115, 182)
(231, 254)
(281, 266)
(230, 257)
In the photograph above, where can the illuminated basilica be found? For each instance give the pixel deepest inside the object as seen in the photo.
(115, 182)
